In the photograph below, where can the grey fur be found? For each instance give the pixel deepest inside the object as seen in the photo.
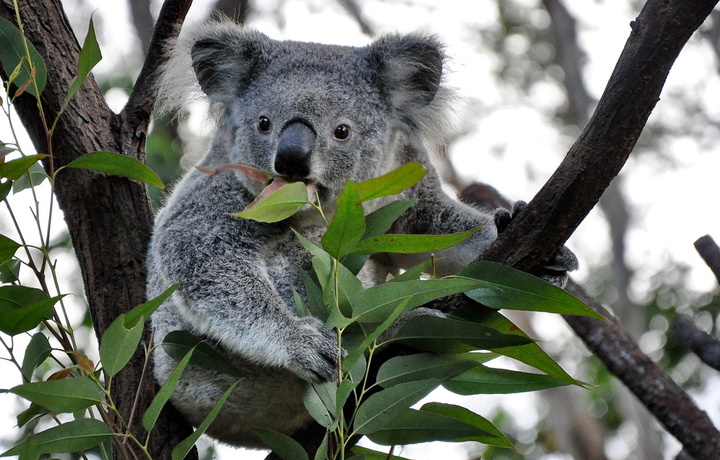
(237, 275)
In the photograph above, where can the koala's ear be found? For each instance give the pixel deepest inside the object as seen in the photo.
(409, 68)
(226, 58)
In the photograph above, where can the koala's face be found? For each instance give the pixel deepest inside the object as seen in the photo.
(315, 113)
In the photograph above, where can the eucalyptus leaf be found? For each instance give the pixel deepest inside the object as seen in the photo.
(7, 248)
(279, 205)
(33, 177)
(515, 290)
(486, 380)
(23, 308)
(60, 396)
(411, 244)
(90, 55)
(117, 164)
(391, 183)
(281, 445)
(182, 449)
(36, 352)
(380, 220)
(347, 225)
(14, 169)
(164, 393)
(423, 366)
(12, 55)
(148, 308)
(178, 344)
(118, 345)
(384, 406)
(73, 436)
(447, 335)
(320, 401)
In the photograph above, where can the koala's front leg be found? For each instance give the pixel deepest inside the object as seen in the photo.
(231, 300)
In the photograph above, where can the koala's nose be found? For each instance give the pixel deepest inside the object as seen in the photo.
(294, 150)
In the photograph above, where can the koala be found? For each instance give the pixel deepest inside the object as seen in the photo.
(318, 114)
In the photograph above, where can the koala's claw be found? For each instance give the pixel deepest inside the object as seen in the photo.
(314, 356)
(503, 216)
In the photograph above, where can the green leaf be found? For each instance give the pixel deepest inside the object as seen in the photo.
(495, 438)
(380, 220)
(382, 407)
(414, 426)
(117, 164)
(12, 55)
(73, 436)
(279, 205)
(411, 244)
(447, 335)
(7, 248)
(36, 353)
(118, 345)
(363, 453)
(314, 296)
(375, 303)
(423, 366)
(59, 396)
(148, 308)
(90, 55)
(486, 380)
(322, 450)
(23, 308)
(515, 290)
(347, 226)
(529, 353)
(391, 183)
(182, 449)
(9, 271)
(283, 446)
(178, 344)
(5, 188)
(320, 402)
(31, 413)
(164, 393)
(15, 168)
(33, 177)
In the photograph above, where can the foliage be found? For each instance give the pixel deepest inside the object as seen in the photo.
(445, 348)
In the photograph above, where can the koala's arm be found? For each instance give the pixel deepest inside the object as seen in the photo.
(225, 292)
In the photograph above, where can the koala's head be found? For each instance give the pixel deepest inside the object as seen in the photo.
(319, 113)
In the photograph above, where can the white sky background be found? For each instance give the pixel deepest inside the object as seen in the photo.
(674, 202)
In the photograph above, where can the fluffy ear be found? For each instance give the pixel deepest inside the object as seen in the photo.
(225, 58)
(409, 68)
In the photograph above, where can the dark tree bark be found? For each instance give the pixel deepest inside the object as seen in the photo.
(109, 218)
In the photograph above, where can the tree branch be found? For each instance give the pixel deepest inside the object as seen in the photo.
(710, 252)
(658, 34)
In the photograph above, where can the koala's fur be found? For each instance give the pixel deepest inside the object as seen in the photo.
(237, 275)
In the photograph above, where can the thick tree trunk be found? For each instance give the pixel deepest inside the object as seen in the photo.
(109, 217)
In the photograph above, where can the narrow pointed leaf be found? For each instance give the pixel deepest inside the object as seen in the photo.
(59, 396)
(411, 244)
(178, 344)
(495, 437)
(320, 402)
(182, 449)
(486, 380)
(148, 308)
(281, 445)
(23, 308)
(12, 54)
(516, 290)
(13, 169)
(163, 395)
(7, 248)
(447, 335)
(347, 225)
(73, 436)
(423, 366)
(37, 351)
(363, 453)
(391, 183)
(118, 345)
(33, 177)
(119, 165)
(380, 220)
(250, 171)
(90, 55)
(384, 406)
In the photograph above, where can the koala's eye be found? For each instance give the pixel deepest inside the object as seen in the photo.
(264, 125)
(342, 132)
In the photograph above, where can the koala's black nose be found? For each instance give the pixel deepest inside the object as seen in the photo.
(294, 150)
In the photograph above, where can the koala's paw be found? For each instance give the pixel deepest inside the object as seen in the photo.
(314, 353)
(554, 271)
